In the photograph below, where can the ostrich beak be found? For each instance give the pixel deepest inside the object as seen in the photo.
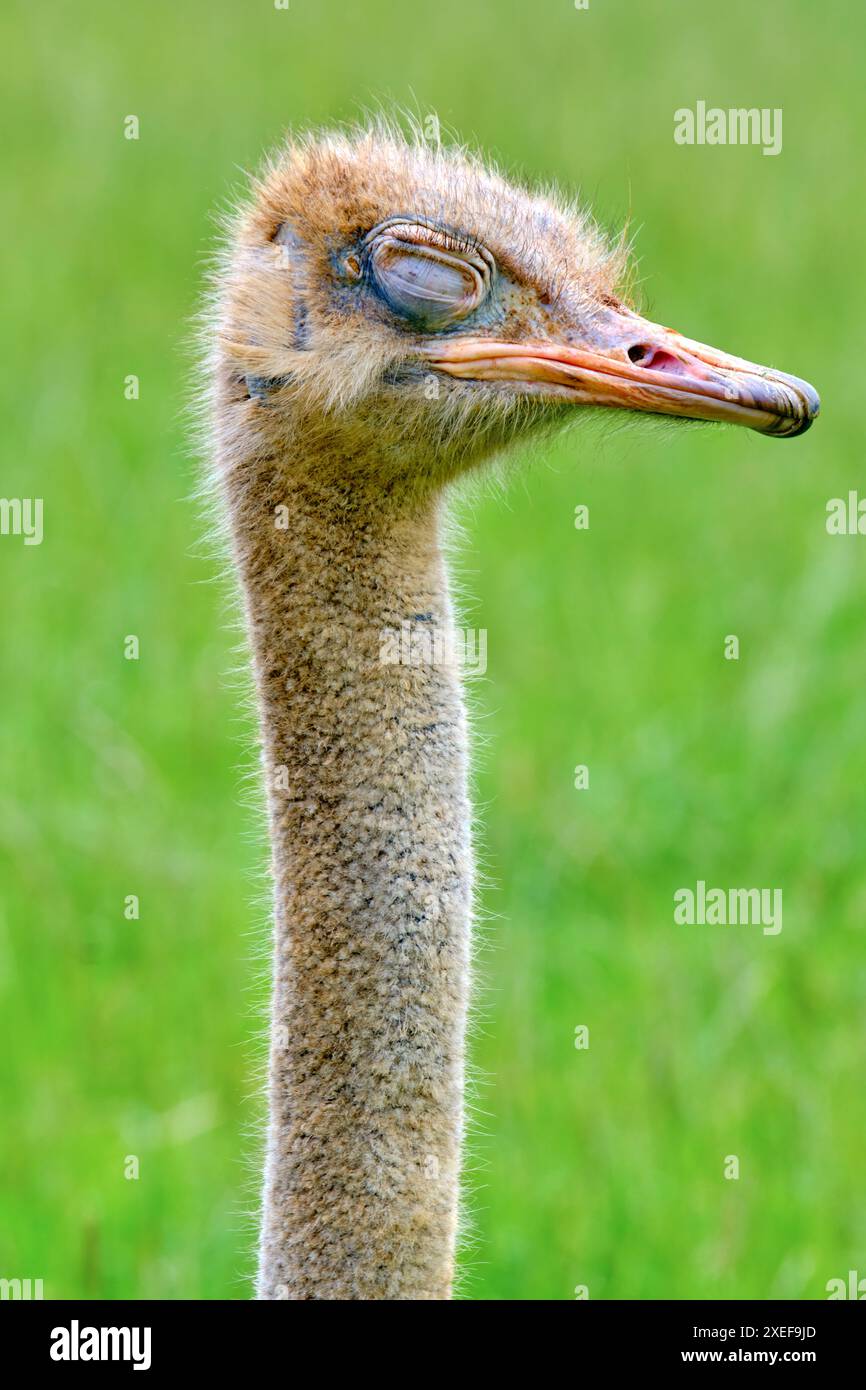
(633, 364)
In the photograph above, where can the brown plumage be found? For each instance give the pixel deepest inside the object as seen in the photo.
(387, 316)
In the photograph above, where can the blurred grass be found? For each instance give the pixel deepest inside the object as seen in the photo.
(121, 1037)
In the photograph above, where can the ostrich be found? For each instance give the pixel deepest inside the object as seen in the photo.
(386, 317)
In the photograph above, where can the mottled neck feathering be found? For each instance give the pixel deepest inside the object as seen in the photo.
(365, 762)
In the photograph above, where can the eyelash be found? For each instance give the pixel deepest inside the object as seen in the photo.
(443, 237)
(460, 245)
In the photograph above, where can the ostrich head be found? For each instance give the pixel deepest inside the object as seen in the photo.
(396, 312)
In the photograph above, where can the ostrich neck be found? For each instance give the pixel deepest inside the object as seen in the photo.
(365, 759)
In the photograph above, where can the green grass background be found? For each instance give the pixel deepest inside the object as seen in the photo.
(602, 1167)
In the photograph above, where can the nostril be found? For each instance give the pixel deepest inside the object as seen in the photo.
(656, 359)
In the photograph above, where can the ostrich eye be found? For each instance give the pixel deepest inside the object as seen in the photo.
(424, 275)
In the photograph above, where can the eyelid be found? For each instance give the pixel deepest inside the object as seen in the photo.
(417, 231)
(426, 273)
